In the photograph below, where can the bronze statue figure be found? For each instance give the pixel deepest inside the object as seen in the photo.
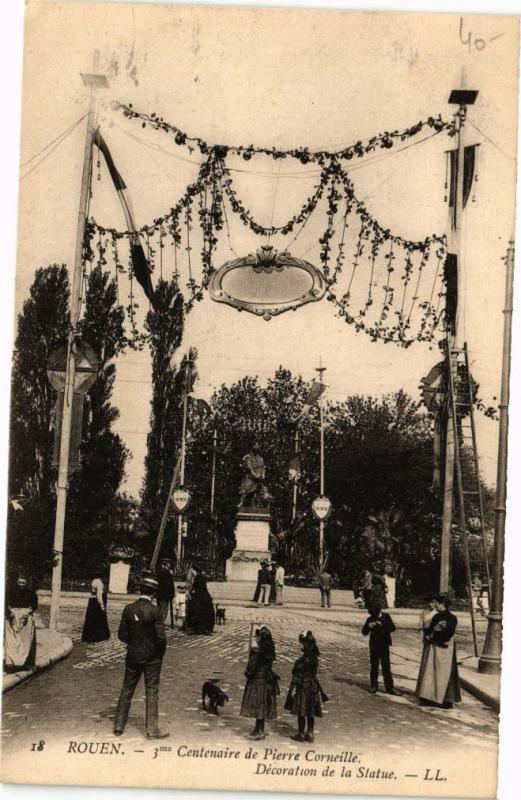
(253, 491)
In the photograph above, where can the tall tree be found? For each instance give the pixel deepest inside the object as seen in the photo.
(42, 328)
(164, 325)
(94, 488)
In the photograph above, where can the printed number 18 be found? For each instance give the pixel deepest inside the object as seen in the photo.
(38, 745)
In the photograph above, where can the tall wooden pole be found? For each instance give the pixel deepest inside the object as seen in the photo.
(462, 98)
(295, 482)
(164, 518)
(490, 661)
(94, 82)
(183, 459)
(214, 467)
(320, 369)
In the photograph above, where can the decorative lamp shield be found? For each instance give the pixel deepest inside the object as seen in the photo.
(86, 367)
(267, 283)
(181, 499)
(321, 508)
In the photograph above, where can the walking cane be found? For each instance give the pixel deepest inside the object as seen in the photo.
(171, 603)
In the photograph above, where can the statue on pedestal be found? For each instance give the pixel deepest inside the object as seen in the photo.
(253, 491)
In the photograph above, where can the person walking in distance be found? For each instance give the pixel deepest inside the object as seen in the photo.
(142, 629)
(264, 579)
(324, 584)
(166, 590)
(379, 626)
(279, 583)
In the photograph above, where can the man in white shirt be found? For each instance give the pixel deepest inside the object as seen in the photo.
(279, 584)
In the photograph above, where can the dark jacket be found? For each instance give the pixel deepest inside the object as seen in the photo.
(379, 635)
(442, 628)
(21, 597)
(166, 590)
(264, 576)
(142, 629)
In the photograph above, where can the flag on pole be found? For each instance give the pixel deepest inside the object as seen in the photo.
(140, 264)
(294, 468)
(315, 392)
(200, 406)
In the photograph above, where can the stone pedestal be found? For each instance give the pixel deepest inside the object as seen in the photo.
(118, 581)
(252, 535)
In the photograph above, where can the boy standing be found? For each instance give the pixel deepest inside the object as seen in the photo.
(379, 626)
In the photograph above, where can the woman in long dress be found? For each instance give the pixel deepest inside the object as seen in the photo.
(95, 626)
(305, 695)
(259, 700)
(438, 679)
(20, 633)
(200, 611)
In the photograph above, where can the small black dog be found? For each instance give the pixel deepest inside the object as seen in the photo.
(220, 615)
(216, 697)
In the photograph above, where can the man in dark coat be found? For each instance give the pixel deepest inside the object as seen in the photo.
(379, 626)
(142, 629)
(166, 591)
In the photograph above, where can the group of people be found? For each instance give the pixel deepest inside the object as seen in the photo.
(198, 611)
(438, 680)
(270, 584)
(142, 630)
(372, 590)
(305, 694)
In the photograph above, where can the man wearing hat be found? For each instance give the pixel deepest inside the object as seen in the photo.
(142, 629)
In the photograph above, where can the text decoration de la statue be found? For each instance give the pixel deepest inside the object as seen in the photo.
(267, 283)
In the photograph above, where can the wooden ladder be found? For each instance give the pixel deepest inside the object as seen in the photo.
(468, 483)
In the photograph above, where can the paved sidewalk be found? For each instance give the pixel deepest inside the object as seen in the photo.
(51, 647)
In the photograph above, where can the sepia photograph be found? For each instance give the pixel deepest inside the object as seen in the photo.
(259, 399)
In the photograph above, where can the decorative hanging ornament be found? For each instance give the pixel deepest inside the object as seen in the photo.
(267, 283)
(181, 499)
(321, 508)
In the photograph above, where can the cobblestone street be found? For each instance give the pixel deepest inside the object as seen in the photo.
(77, 697)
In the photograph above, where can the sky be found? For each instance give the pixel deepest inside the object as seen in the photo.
(244, 76)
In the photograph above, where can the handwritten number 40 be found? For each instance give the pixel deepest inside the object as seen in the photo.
(38, 745)
(471, 41)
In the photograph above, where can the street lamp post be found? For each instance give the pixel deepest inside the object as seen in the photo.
(320, 369)
(490, 661)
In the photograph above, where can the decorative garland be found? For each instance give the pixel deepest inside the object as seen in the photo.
(385, 268)
(382, 141)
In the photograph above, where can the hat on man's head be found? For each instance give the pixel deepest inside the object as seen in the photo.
(149, 584)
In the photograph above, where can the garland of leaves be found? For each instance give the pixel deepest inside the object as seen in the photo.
(382, 141)
(201, 214)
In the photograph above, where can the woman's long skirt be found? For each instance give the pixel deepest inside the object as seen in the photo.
(95, 627)
(438, 678)
(20, 640)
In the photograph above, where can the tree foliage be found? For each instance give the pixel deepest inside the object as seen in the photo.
(42, 328)
(164, 325)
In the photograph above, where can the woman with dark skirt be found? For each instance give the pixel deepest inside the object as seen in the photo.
(95, 627)
(200, 611)
(305, 696)
(262, 685)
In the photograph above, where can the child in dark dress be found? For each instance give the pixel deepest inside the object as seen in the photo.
(305, 696)
(260, 693)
